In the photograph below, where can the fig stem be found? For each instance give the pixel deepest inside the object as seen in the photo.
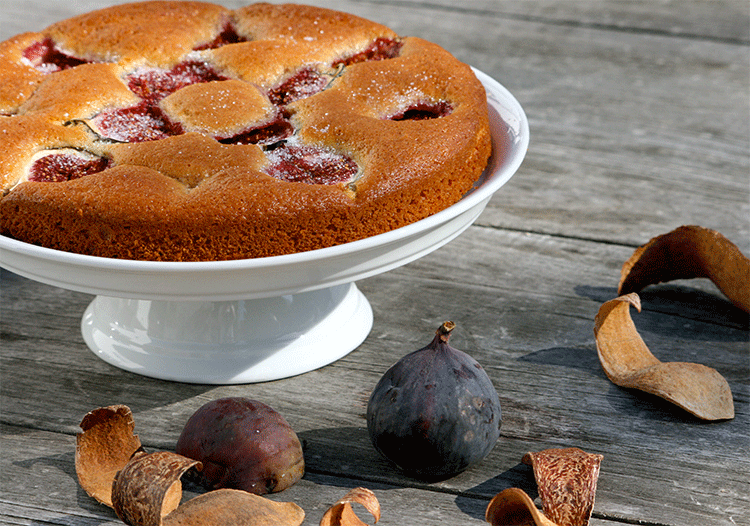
(444, 331)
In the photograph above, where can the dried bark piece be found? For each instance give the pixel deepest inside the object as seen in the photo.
(690, 252)
(148, 487)
(627, 362)
(513, 507)
(566, 479)
(342, 514)
(103, 448)
(236, 507)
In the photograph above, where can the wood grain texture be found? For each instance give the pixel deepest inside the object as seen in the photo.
(639, 121)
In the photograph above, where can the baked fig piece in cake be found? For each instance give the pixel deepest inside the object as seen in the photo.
(185, 131)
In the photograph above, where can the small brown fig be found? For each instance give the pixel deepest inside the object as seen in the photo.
(435, 412)
(243, 444)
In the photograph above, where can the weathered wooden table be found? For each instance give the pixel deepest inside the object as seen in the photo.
(640, 117)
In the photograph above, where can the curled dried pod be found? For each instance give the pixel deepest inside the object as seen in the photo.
(567, 480)
(700, 390)
(690, 252)
(513, 507)
(105, 445)
(223, 507)
(342, 514)
(148, 488)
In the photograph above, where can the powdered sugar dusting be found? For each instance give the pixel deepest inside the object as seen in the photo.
(146, 121)
(54, 166)
(143, 122)
(294, 162)
(380, 49)
(272, 132)
(228, 35)
(154, 84)
(304, 83)
(45, 56)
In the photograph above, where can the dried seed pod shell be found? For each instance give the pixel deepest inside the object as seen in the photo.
(149, 488)
(567, 480)
(513, 507)
(103, 448)
(236, 507)
(628, 362)
(690, 252)
(342, 514)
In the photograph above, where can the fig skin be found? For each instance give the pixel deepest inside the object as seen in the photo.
(435, 412)
(243, 444)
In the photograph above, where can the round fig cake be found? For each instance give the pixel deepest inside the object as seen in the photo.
(185, 131)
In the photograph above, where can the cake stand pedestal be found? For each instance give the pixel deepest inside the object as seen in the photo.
(254, 320)
(240, 341)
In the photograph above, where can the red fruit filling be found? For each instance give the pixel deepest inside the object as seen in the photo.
(277, 130)
(305, 83)
(155, 84)
(58, 167)
(228, 35)
(423, 111)
(380, 49)
(146, 121)
(143, 122)
(310, 164)
(45, 57)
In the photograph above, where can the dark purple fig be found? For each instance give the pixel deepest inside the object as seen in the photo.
(243, 444)
(435, 412)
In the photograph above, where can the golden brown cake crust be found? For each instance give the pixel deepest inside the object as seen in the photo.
(183, 131)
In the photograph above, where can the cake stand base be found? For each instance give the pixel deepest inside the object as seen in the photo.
(228, 342)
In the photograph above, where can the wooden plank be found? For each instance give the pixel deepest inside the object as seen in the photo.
(723, 20)
(541, 359)
(630, 138)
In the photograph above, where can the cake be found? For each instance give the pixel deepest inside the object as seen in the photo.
(185, 131)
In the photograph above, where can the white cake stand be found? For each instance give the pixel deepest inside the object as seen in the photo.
(253, 320)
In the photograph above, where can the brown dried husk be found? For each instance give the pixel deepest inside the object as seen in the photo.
(149, 488)
(513, 507)
(342, 514)
(567, 480)
(103, 448)
(690, 252)
(627, 362)
(236, 508)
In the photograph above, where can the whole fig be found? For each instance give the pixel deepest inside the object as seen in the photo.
(242, 444)
(435, 412)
